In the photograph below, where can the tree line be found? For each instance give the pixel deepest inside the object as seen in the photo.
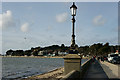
(95, 49)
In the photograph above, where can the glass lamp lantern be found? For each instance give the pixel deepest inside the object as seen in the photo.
(73, 9)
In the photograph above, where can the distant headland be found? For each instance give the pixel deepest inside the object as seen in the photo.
(57, 51)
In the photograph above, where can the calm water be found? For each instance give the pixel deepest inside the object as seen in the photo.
(24, 67)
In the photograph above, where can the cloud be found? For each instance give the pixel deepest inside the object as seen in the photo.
(99, 20)
(61, 17)
(6, 20)
(25, 27)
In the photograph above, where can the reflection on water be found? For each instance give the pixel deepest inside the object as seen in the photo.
(23, 67)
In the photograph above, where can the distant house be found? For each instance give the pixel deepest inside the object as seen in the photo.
(9, 55)
(32, 55)
(49, 54)
(117, 52)
(62, 53)
(40, 53)
(25, 55)
(53, 54)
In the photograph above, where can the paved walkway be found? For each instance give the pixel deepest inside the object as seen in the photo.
(112, 70)
(95, 72)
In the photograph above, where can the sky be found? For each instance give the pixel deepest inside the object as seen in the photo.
(32, 24)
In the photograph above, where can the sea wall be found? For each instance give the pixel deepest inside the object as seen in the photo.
(85, 67)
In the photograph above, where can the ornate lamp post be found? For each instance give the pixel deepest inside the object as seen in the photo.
(73, 45)
(72, 61)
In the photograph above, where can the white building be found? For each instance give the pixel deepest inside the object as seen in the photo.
(40, 53)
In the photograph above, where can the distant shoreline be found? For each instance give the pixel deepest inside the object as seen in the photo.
(35, 56)
(40, 57)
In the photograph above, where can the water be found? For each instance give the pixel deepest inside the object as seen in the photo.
(21, 67)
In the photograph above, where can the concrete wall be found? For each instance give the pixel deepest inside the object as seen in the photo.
(85, 66)
(75, 74)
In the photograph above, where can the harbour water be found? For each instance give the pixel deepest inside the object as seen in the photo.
(20, 67)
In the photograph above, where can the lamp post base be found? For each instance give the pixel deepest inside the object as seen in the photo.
(73, 49)
(73, 52)
(72, 62)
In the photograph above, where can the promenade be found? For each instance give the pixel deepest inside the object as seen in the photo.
(102, 71)
(95, 71)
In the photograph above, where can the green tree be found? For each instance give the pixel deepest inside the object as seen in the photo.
(94, 49)
(28, 52)
(9, 52)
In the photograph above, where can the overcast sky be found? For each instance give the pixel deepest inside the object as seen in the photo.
(28, 24)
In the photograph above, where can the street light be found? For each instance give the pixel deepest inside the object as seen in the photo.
(73, 9)
(73, 45)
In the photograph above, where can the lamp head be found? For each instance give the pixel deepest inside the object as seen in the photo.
(73, 9)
